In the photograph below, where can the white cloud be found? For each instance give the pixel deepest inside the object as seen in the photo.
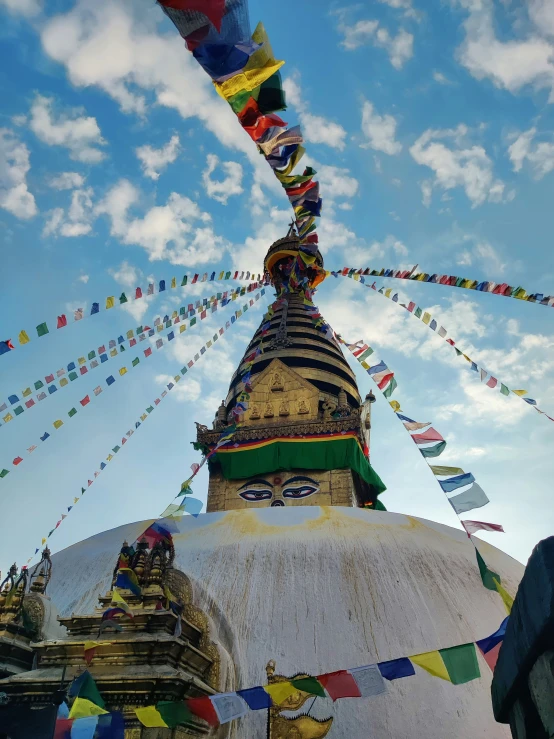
(380, 131)
(177, 231)
(78, 133)
(67, 181)
(511, 64)
(466, 165)
(315, 128)
(78, 219)
(539, 155)
(336, 182)
(28, 8)
(153, 161)
(14, 166)
(84, 278)
(129, 277)
(441, 78)
(222, 190)
(426, 192)
(183, 392)
(400, 48)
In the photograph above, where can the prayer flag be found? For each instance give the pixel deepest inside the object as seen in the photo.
(473, 498)
(340, 684)
(429, 435)
(127, 579)
(506, 597)
(433, 451)
(369, 680)
(148, 352)
(456, 664)
(444, 471)
(490, 646)
(57, 424)
(62, 321)
(228, 706)
(521, 393)
(279, 692)
(473, 526)
(411, 425)
(123, 371)
(396, 668)
(78, 314)
(377, 368)
(309, 685)
(391, 388)
(110, 302)
(492, 381)
(110, 380)
(82, 708)
(256, 698)
(203, 708)
(23, 337)
(454, 483)
(42, 329)
(504, 389)
(85, 401)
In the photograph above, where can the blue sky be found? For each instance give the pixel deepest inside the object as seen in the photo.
(432, 129)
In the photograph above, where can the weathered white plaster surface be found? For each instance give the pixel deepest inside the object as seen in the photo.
(322, 589)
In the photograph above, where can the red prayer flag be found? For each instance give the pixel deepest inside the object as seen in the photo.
(148, 352)
(83, 370)
(472, 526)
(89, 653)
(194, 279)
(301, 189)
(49, 378)
(212, 9)
(250, 113)
(17, 460)
(63, 728)
(492, 381)
(360, 350)
(411, 306)
(491, 657)
(385, 381)
(259, 127)
(203, 708)
(89, 483)
(29, 403)
(449, 341)
(138, 293)
(340, 684)
(62, 321)
(429, 435)
(101, 349)
(85, 401)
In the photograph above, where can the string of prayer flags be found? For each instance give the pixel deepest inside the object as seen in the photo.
(457, 665)
(190, 505)
(494, 288)
(134, 336)
(61, 321)
(491, 381)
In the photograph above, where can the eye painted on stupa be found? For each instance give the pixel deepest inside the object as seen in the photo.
(300, 487)
(256, 490)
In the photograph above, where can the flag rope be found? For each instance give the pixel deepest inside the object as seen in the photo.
(428, 320)
(145, 415)
(112, 344)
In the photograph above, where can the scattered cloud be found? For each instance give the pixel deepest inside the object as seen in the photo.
(511, 64)
(27, 8)
(400, 48)
(153, 161)
(14, 166)
(539, 155)
(77, 221)
(183, 392)
(441, 78)
(222, 190)
(177, 231)
(73, 130)
(83, 278)
(129, 277)
(465, 165)
(67, 181)
(315, 128)
(380, 131)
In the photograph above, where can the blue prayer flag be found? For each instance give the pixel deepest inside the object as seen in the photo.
(52, 389)
(453, 483)
(13, 399)
(192, 506)
(103, 357)
(71, 366)
(489, 642)
(46, 436)
(256, 698)
(395, 668)
(530, 401)
(170, 336)
(162, 285)
(110, 380)
(95, 309)
(377, 368)
(120, 339)
(102, 465)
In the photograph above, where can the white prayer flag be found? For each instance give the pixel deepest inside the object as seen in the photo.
(228, 706)
(369, 680)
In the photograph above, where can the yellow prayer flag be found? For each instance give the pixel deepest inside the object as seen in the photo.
(395, 405)
(506, 597)
(150, 717)
(279, 692)
(426, 317)
(64, 381)
(174, 314)
(113, 352)
(468, 359)
(43, 541)
(23, 337)
(57, 424)
(173, 282)
(7, 418)
(130, 333)
(109, 458)
(26, 392)
(182, 328)
(117, 598)
(143, 417)
(177, 378)
(123, 371)
(160, 327)
(365, 365)
(82, 360)
(432, 662)
(262, 55)
(356, 276)
(208, 344)
(521, 393)
(75, 500)
(388, 292)
(91, 644)
(221, 275)
(82, 708)
(110, 302)
(247, 79)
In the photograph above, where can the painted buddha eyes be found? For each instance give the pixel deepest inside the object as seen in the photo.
(295, 488)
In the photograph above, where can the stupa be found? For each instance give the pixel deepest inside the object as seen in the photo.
(296, 568)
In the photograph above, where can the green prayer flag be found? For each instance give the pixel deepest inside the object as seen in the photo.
(149, 409)
(121, 348)
(135, 361)
(368, 352)
(391, 388)
(42, 329)
(184, 370)
(82, 491)
(504, 390)
(38, 384)
(116, 449)
(461, 663)
(487, 576)
(72, 376)
(193, 320)
(433, 451)
(174, 713)
(458, 352)
(3, 473)
(418, 312)
(18, 411)
(91, 354)
(445, 471)
(71, 413)
(184, 281)
(138, 330)
(50, 533)
(122, 298)
(89, 691)
(309, 685)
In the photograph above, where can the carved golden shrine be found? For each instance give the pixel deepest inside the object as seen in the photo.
(301, 726)
(156, 655)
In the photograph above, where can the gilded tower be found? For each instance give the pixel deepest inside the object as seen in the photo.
(303, 436)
